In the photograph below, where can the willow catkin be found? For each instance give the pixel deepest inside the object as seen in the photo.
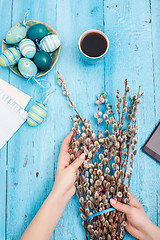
(109, 161)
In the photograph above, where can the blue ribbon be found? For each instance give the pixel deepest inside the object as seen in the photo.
(46, 85)
(26, 17)
(101, 212)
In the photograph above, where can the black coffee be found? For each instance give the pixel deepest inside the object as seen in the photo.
(93, 44)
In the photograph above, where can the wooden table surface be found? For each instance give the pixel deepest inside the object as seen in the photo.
(28, 161)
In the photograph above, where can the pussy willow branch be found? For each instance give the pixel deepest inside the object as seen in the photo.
(120, 132)
(138, 96)
(95, 167)
(85, 225)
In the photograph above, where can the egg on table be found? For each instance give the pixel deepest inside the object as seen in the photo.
(37, 114)
(10, 57)
(43, 60)
(27, 48)
(16, 34)
(27, 68)
(37, 31)
(50, 43)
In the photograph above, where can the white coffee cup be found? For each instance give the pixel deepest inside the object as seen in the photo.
(89, 59)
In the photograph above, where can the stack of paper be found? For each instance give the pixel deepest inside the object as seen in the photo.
(12, 113)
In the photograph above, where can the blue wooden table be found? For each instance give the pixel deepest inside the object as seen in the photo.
(28, 161)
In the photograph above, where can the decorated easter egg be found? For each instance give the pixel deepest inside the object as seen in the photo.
(43, 60)
(50, 43)
(27, 68)
(16, 34)
(27, 48)
(10, 57)
(36, 114)
(37, 31)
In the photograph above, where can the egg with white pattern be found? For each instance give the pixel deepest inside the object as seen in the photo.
(37, 114)
(27, 68)
(27, 48)
(16, 34)
(10, 57)
(50, 43)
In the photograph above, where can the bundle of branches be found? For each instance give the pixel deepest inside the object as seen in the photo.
(108, 167)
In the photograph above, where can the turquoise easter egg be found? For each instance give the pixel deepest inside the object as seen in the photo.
(50, 43)
(37, 31)
(16, 34)
(37, 114)
(27, 68)
(10, 57)
(43, 60)
(27, 48)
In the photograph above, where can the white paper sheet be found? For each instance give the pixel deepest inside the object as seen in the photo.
(18, 96)
(12, 115)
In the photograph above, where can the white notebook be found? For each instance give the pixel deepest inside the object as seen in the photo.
(12, 114)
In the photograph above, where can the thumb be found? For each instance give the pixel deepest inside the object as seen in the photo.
(78, 162)
(120, 206)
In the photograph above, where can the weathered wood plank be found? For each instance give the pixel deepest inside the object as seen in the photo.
(155, 18)
(3, 191)
(4, 74)
(84, 82)
(31, 150)
(129, 29)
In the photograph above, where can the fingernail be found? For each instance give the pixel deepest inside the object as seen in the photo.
(113, 201)
(82, 156)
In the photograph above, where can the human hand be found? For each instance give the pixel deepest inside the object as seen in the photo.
(45, 221)
(66, 171)
(138, 224)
